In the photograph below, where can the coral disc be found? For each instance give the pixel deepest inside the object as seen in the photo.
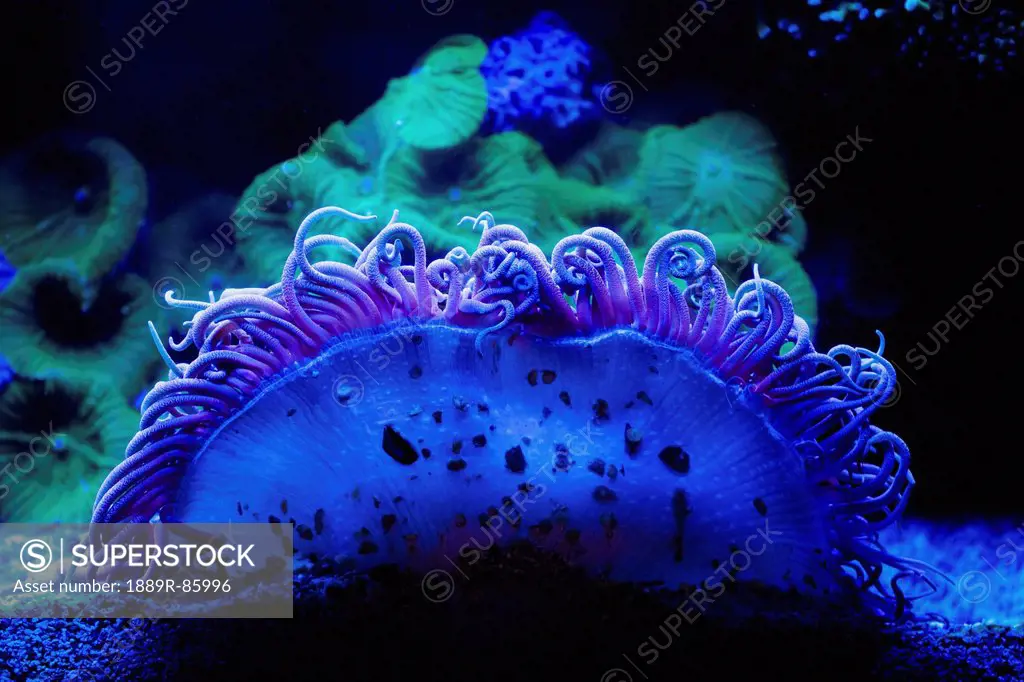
(613, 450)
(642, 422)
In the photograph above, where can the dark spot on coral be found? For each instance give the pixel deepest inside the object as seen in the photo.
(629, 404)
(613, 473)
(376, 502)
(561, 457)
(459, 403)
(483, 518)
(633, 440)
(292, 412)
(526, 487)
(788, 575)
(715, 563)
(601, 410)
(492, 428)
(367, 547)
(304, 532)
(652, 369)
(460, 520)
(293, 522)
(597, 466)
(437, 417)
(387, 521)
(547, 376)
(546, 412)
(426, 453)
(318, 520)
(363, 532)
(417, 339)
(239, 508)
(531, 378)
(284, 506)
(416, 372)
(760, 506)
(398, 499)
(482, 408)
(479, 440)
(809, 580)
(603, 493)
(457, 464)
(526, 440)
(572, 536)
(397, 447)
(676, 459)
(515, 461)
(273, 519)
(564, 397)
(677, 548)
(457, 447)
(643, 397)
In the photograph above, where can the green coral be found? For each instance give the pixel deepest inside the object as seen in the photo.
(719, 175)
(610, 159)
(58, 440)
(190, 252)
(52, 329)
(443, 101)
(65, 197)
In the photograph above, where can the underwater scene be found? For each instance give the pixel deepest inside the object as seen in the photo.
(579, 340)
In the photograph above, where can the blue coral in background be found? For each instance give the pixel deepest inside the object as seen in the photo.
(6, 272)
(539, 78)
(6, 275)
(975, 31)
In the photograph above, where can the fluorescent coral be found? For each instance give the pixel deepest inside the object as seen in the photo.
(974, 30)
(668, 420)
(719, 175)
(443, 101)
(57, 440)
(539, 77)
(71, 198)
(52, 328)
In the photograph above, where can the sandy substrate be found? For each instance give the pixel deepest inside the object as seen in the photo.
(515, 616)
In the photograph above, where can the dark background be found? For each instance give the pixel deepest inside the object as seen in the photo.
(227, 89)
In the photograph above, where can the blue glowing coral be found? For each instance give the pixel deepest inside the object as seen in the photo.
(981, 32)
(539, 77)
(640, 422)
(7, 272)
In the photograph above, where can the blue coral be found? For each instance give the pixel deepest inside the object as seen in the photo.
(978, 33)
(538, 77)
(7, 272)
